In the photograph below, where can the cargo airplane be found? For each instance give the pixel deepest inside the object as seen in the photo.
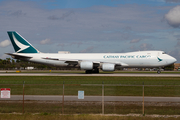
(90, 62)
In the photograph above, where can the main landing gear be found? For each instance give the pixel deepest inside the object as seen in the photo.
(92, 71)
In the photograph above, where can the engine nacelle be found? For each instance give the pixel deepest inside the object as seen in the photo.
(86, 65)
(108, 67)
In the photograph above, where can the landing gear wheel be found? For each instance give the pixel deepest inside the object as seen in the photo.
(88, 71)
(96, 70)
(159, 71)
(92, 71)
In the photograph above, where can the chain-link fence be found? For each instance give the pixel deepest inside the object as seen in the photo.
(97, 99)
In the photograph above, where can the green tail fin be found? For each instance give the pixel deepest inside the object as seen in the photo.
(20, 44)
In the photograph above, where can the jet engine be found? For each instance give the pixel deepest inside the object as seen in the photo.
(108, 67)
(86, 65)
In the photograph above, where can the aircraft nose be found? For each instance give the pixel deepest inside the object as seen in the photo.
(173, 60)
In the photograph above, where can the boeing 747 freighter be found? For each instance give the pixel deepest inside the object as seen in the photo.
(90, 62)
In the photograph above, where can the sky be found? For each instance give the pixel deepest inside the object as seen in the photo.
(92, 26)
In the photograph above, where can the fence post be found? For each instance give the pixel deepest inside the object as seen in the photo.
(63, 100)
(103, 98)
(143, 100)
(23, 96)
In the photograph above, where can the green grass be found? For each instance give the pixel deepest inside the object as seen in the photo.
(52, 85)
(88, 108)
(89, 80)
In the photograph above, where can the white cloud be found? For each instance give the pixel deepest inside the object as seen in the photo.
(173, 1)
(5, 56)
(89, 49)
(46, 41)
(142, 47)
(173, 17)
(5, 43)
(146, 46)
(135, 40)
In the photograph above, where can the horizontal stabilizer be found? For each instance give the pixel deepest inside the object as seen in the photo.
(17, 56)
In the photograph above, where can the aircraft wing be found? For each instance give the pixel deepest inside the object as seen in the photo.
(75, 62)
(70, 62)
(121, 64)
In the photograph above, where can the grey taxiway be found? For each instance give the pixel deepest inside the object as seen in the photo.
(92, 98)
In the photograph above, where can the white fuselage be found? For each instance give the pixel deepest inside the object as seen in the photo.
(130, 59)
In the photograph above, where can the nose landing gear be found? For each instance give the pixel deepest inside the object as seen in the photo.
(159, 71)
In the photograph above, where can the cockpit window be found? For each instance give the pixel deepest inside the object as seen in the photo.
(163, 52)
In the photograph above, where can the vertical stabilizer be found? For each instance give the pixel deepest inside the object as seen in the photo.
(20, 44)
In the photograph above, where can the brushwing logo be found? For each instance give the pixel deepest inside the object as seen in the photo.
(20, 45)
(159, 59)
